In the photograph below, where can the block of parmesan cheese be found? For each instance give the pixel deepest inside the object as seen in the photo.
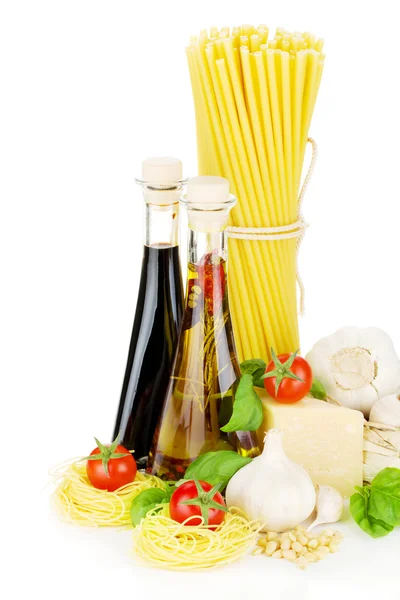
(326, 440)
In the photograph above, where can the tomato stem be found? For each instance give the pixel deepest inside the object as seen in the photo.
(282, 370)
(205, 500)
(107, 453)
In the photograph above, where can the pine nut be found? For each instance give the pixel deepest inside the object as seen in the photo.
(289, 555)
(286, 544)
(311, 557)
(321, 552)
(323, 540)
(297, 547)
(301, 562)
(262, 542)
(302, 539)
(329, 532)
(271, 547)
(300, 529)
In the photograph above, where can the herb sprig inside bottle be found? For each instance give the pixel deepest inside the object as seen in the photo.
(206, 373)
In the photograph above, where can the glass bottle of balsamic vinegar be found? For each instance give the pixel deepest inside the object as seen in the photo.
(205, 375)
(158, 312)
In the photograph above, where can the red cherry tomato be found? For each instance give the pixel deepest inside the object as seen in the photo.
(189, 491)
(121, 471)
(290, 390)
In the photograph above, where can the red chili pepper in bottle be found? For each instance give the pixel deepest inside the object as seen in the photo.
(212, 280)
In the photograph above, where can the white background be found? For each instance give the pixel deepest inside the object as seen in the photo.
(89, 89)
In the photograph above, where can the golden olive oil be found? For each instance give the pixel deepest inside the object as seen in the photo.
(202, 387)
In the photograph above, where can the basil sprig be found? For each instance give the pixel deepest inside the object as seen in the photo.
(376, 507)
(149, 499)
(384, 500)
(256, 368)
(318, 390)
(247, 414)
(215, 467)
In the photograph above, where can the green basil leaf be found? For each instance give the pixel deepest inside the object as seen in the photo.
(384, 501)
(259, 383)
(214, 467)
(146, 501)
(170, 487)
(247, 412)
(256, 368)
(359, 505)
(317, 390)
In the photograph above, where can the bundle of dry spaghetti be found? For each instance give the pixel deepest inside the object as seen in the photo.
(161, 542)
(254, 100)
(79, 502)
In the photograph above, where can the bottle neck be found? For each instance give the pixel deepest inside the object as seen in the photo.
(203, 244)
(162, 224)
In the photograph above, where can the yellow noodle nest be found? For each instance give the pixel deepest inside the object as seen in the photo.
(161, 542)
(79, 502)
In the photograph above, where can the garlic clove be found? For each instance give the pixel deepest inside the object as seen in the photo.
(329, 506)
(386, 411)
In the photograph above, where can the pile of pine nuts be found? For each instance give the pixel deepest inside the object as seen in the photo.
(298, 546)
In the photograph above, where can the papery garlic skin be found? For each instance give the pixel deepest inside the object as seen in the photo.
(393, 437)
(357, 366)
(272, 489)
(374, 463)
(386, 411)
(329, 506)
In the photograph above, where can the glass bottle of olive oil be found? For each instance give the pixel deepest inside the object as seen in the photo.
(204, 378)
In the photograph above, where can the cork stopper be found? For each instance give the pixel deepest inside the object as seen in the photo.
(161, 181)
(163, 170)
(208, 201)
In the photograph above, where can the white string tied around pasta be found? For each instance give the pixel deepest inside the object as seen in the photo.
(284, 232)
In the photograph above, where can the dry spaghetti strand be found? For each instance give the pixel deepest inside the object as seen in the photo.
(77, 501)
(161, 542)
(254, 99)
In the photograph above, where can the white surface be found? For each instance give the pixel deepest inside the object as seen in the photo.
(89, 89)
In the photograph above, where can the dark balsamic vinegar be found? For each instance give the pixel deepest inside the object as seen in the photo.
(152, 348)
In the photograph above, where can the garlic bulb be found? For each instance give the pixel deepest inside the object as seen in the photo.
(272, 489)
(356, 366)
(386, 411)
(329, 506)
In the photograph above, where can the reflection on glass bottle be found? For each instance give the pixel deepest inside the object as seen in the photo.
(158, 312)
(204, 379)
